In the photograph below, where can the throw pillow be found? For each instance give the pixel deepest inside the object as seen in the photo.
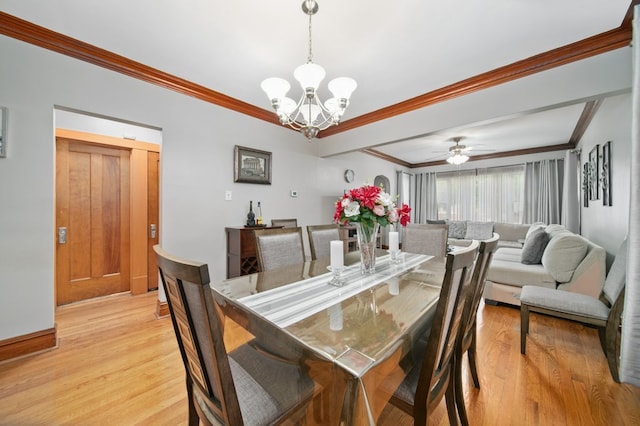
(555, 228)
(479, 230)
(563, 254)
(534, 247)
(533, 227)
(457, 229)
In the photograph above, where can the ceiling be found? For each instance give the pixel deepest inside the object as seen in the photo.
(397, 52)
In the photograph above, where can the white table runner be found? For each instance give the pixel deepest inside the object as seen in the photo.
(294, 302)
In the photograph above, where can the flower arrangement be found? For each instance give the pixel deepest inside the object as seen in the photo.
(369, 205)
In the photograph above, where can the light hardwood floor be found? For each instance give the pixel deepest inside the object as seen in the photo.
(118, 365)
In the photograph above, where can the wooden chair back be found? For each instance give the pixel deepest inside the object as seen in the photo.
(428, 239)
(320, 237)
(437, 365)
(467, 340)
(279, 247)
(199, 332)
(285, 223)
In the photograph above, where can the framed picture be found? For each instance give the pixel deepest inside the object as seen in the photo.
(585, 184)
(605, 175)
(3, 132)
(594, 170)
(252, 165)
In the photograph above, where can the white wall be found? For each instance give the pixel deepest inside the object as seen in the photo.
(608, 225)
(196, 169)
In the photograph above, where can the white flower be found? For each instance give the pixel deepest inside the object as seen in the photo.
(385, 199)
(352, 208)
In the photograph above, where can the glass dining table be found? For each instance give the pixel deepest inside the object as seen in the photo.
(355, 340)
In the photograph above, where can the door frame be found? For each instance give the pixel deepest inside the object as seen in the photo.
(139, 232)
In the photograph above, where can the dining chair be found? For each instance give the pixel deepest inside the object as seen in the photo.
(320, 237)
(432, 377)
(279, 247)
(244, 386)
(604, 312)
(285, 223)
(467, 340)
(428, 239)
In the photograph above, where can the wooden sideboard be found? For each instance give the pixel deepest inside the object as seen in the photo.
(241, 250)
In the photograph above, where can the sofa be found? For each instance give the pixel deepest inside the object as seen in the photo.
(461, 233)
(562, 260)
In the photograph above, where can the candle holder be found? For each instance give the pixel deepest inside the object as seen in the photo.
(396, 256)
(337, 275)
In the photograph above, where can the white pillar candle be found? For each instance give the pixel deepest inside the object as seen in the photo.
(393, 241)
(335, 317)
(337, 254)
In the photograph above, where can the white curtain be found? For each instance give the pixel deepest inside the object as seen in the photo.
(500, 194)
(571, 192)
(543, 191)
(457, 195)
(426, 201)
(630, 347)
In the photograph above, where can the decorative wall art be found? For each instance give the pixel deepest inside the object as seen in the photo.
(3, 132)
(594, 171)
(252, 165)
(605, 175)
(585, 184)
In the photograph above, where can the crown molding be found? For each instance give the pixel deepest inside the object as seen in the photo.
(592, 46)
(28, 32)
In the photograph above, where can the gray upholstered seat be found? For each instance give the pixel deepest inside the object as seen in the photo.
(320, 237)
(604, 312)
(425, 239)
(279, 247)
(285, 223)
(467, 341)
(244, 387)
(431, 378)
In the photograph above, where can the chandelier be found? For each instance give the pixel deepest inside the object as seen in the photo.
(457, 152)
(309, 115)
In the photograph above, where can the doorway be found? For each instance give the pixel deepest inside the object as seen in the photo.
(107, 209)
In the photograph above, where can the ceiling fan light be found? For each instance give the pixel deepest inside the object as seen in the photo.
(309, 75)
(342, 87)
(457, 159)
(275, 88)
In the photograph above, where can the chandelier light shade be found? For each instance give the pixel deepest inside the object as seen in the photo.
(309, 115)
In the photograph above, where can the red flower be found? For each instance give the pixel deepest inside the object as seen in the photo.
(404, 213)
(366, 195)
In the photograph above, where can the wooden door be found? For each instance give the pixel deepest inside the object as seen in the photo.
(153, 216)
(92, 221)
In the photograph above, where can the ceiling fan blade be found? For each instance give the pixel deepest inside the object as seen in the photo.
(426, 160)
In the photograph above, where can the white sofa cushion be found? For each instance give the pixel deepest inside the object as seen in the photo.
(479, 230)
(457, 229)
(563, 254)
(517, 274)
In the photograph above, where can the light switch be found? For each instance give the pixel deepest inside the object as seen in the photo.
(227, 195)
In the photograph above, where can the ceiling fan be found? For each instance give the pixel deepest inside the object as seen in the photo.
(457, 153)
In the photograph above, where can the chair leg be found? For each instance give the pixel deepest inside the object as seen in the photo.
(524, 327)
(451, 403)
(194, 419)
(459, 390)
(471, 355)
(611, 347)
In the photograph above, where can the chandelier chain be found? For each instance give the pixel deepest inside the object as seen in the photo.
(310, 57)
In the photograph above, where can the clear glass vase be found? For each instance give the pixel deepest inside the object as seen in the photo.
(367, 237)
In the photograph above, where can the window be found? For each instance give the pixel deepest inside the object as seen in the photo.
(487, 195)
